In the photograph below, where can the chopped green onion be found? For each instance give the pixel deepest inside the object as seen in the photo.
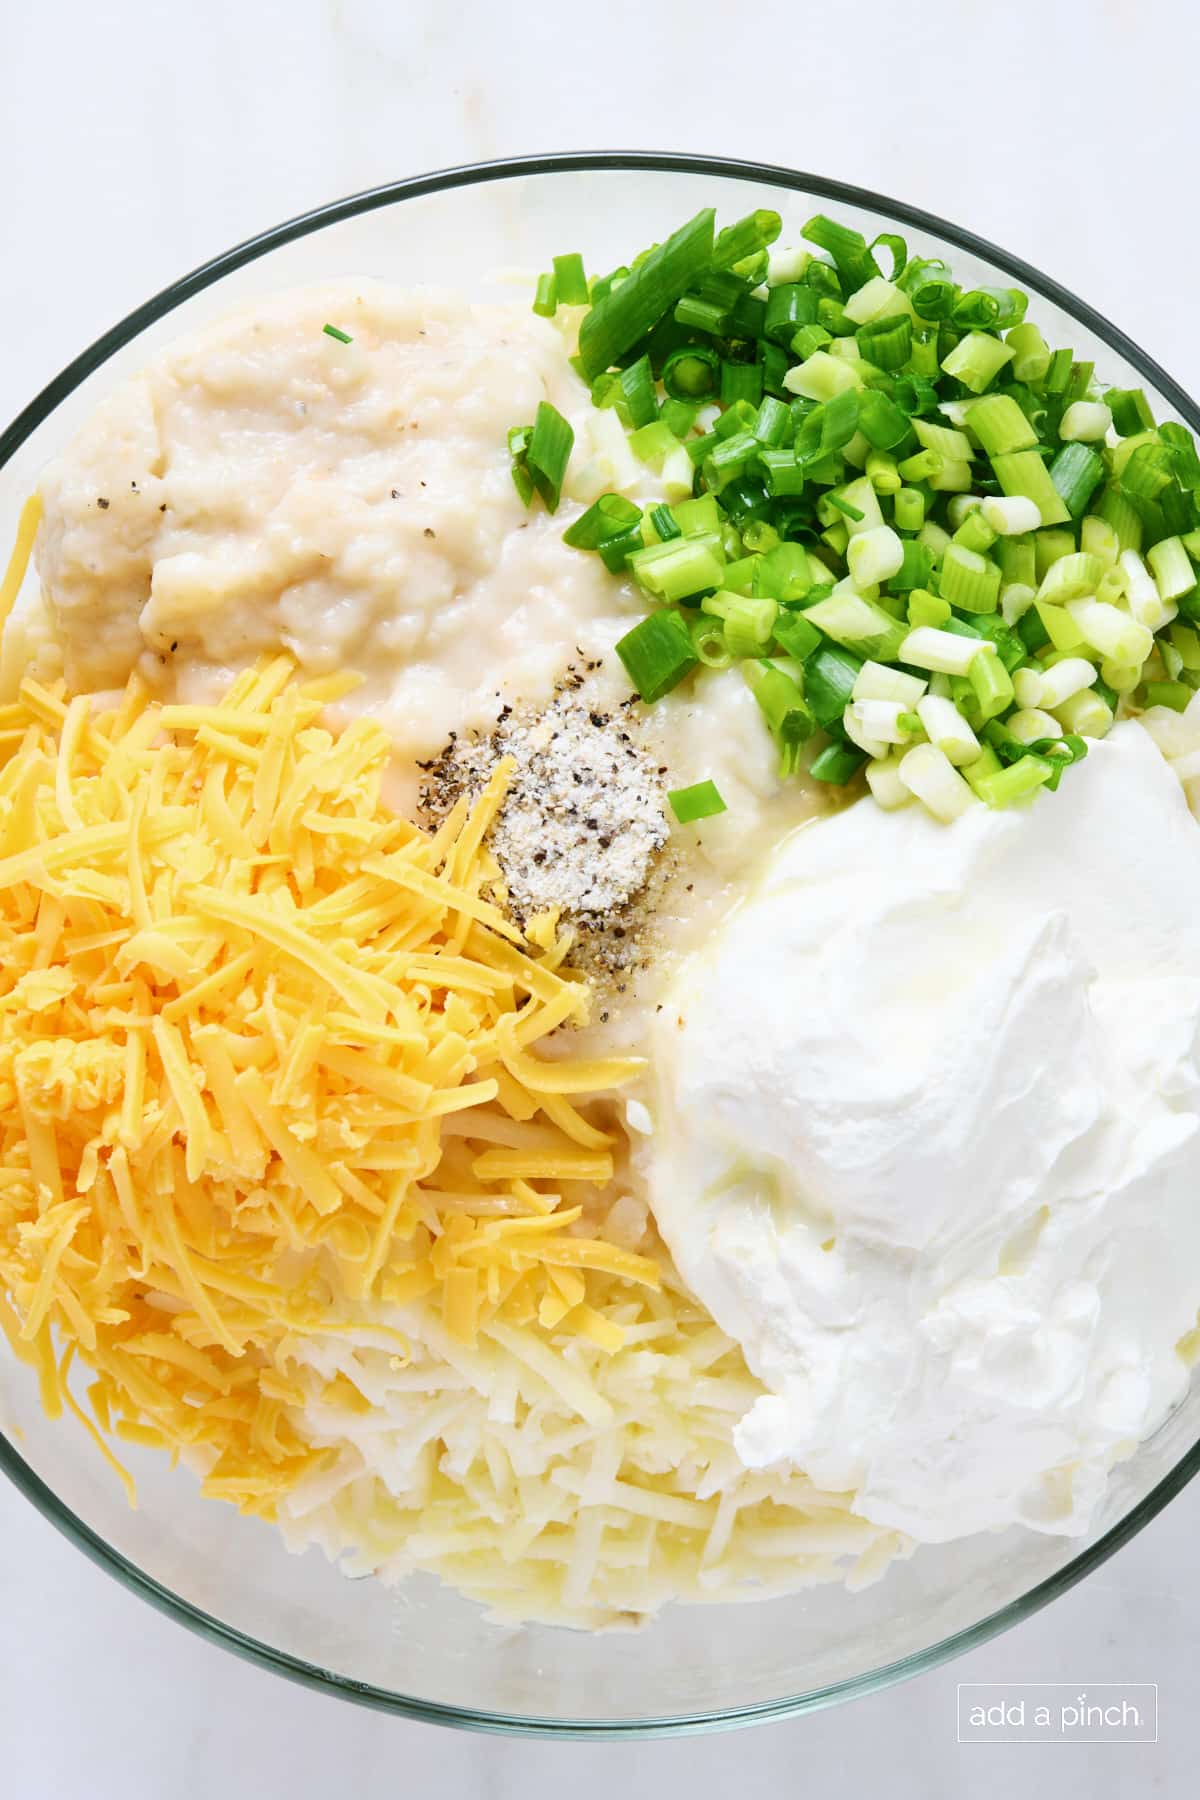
(1032, 726)
(868, 723)
(1060, 628)
(571, 280)
(540, 455)
(946, 728)
(797, 635)
(1112, 632)
(1085, 421)
(762, 505)
(1070, 576)
(1182, 446)
(915, 569)
(784, 475)
(665, 523)
(1145, 472)
(627, 312)
(680, 568)
(1174, 575)
(701, 801)
(925, 608)
(946, 652)
(949, 445)
(657, 654)
(934, 539)
(882, 422)
(708, 641)
(808, 340)
(884, 781)
(991, 682)
(990, 308)
(1080, 385)
(929, 285)
(784, 572)
(874, 556)
(1031, 355)
(782, 705)
(886, 342)
(858, 624)
(1000, 425)
(1130, 411)
(1020, 779)
(698, 314)
(1076, 473)
(820, 377)
(773, 422)
(829, 677)
(606, 518)
(951, 478)
(1011, 515)
(614, 552)
(545, 299)
(908, 509)
(637, 387)
(837, 764)
(696, 516)
(749, 622)
(1058, 372)
(692, 372)
(877, 681)
(976, 360)
(847, 247)
(928, 773)
(974, 533)
(882, 472)
(740, 575)
(333, 331)
(741, 381)
(1175, 694)
(757, 231)
(789, 307)
(970, 581)
(518, 448)
(1120, 677)
(1023, 473)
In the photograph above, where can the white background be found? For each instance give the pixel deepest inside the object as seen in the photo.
(138, 140)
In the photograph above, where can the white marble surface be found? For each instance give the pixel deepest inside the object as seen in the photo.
(147, 137)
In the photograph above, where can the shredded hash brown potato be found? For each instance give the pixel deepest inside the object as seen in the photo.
(549, 1479)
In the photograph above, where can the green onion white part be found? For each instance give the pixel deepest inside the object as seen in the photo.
(928, 773)
(1085, 421)
(883, 779)
(947, 730)
(1030, 723)
(1010, 515)
(920, 530)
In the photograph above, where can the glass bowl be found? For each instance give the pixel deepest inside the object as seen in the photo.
(419, 1650)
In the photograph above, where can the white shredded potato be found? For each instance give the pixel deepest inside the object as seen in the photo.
(551, 1480)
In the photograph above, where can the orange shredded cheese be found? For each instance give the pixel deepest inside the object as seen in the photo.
(266, 1056)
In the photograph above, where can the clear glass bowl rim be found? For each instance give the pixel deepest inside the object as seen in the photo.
(39, 410)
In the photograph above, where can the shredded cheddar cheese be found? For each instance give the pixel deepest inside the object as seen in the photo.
(22, 550)
(268, 1060)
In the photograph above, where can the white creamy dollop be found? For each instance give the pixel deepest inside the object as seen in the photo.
(926, 1142)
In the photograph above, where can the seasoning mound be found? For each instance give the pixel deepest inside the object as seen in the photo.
(582, 827)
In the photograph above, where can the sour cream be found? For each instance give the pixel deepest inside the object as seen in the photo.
(925, 1141)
